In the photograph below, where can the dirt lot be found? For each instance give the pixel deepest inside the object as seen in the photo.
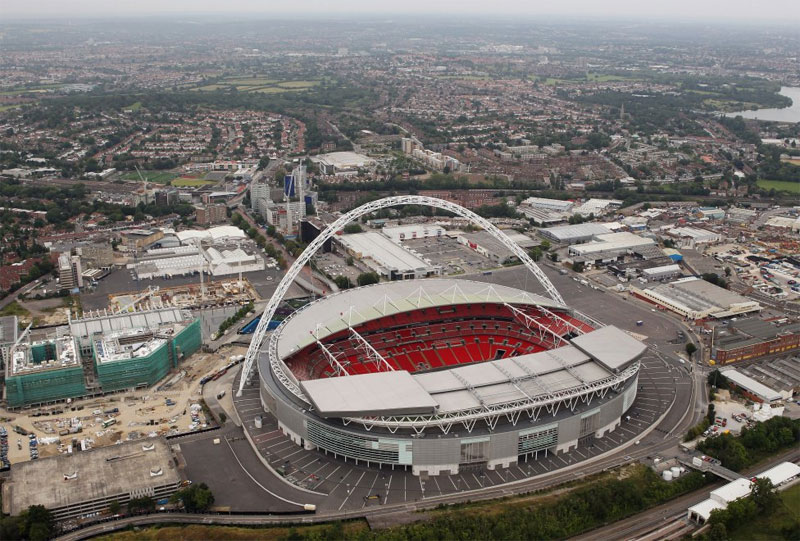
(140, 414)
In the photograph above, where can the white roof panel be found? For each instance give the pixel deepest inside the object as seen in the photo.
(612, 347)
(380, 393)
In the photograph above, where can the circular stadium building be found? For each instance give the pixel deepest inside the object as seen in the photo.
(439, 375)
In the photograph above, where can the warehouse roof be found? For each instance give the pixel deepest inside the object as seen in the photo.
(622, 240)
(383, 251)
(566, 233)
(749, 384)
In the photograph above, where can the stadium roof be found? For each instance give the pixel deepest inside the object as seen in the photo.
(352, 307)
(610, 346)
(474, 385)
(395, 393)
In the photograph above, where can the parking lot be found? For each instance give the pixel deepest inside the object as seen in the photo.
(453, 257)
(350, 486)
(336, 265)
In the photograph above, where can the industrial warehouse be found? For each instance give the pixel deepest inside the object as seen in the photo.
(97, 354)
(753, 338)
(696, 300)
(219, 251)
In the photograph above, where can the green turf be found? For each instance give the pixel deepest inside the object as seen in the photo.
(787, 186)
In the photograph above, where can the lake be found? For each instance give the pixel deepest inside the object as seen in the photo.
(787, 114)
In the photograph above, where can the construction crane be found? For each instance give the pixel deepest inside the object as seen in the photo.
(151, 290)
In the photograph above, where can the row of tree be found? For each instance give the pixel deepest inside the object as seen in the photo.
(754, 443)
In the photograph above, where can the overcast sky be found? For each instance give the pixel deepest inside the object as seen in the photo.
(743, 10)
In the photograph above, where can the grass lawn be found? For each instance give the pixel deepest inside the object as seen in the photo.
(159, 177)
(133, 107)
(780, 185)
(793, 161)
(298, 84)
(249, 81)
(187, 182)
(258, 84)
(14, 309)
(770, 527)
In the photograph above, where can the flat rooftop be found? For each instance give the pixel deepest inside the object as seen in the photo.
(701, 296)
(384, 252)
(42, 355)
(105, 472)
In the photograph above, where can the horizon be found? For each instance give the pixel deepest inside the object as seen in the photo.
(714, 12)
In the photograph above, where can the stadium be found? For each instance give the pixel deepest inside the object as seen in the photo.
(442, 375)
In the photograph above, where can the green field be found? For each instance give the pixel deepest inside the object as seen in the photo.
(133, 107)
(14, 309)
(159, 177)
(187, 182)
(258, 84)
(787, 186)
(773, 525)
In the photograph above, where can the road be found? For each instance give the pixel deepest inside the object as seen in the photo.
(15, 295)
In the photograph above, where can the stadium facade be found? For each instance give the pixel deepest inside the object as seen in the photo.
(440, 375)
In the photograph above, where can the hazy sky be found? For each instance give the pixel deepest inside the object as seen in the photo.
(785, 11)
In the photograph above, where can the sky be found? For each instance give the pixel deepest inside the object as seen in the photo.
(784, 11)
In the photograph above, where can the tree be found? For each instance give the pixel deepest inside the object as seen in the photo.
(143, 504)
(195, 498)
(545, 245)
(353, 228)
(578, 266)
(343, 282)
(114, 508)
(727, 272)
(367, 278)
(764, 494)
(554, 257)
(350, 262)
(690, 349)
(535, 253)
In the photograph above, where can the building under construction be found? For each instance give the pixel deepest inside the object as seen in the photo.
(44, 369)
(99, 353)
(186, 296)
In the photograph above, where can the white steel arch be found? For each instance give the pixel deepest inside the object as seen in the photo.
(367, 208)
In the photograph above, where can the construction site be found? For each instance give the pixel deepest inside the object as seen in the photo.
(187, 296)
(97, 354)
